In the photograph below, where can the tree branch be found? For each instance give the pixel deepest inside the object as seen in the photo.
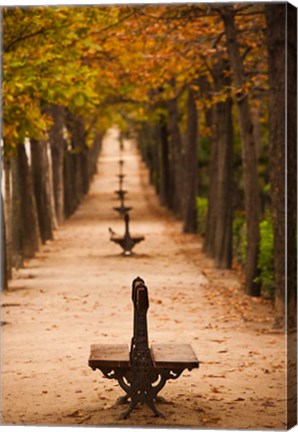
(25, 37)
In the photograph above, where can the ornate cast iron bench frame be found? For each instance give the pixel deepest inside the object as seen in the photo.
(142, 372)
(126, 242)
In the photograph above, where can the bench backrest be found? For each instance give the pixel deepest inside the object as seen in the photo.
(139, 342)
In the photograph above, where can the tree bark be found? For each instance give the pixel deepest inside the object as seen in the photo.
(78, 155)
(282, 157)
(211, 121)
(190, 166)
(16, 219)
(291, 226)
(93, 155)
(281, 23)
(70, 184)
(223, 235)
(164, 163)
(148, 145)
(4, 273)
(7, 208)
(57, 151)
(29, 219)
(41, 186)
(176, 156)
(276, 21)
(79, 163)
(291, 95)
(224, 217)
(50, 182)
(250, 168)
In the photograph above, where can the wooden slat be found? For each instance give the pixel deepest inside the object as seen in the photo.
(169, 356)
(108, 355)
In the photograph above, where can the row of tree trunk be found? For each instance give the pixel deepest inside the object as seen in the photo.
(172, 156)
(43, 184)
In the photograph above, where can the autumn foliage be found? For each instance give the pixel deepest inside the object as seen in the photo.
(189, 81)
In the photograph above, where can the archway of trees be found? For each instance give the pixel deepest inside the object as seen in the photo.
(202, 87)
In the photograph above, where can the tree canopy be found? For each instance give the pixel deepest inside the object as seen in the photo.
(92, 58)
(190, 80)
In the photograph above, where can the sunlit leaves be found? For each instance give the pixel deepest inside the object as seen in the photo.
(42, 65)
(89, 58)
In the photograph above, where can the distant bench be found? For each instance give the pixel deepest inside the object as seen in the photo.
(142, 371)
(126, 242)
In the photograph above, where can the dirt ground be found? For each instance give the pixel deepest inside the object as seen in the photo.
(77, 292)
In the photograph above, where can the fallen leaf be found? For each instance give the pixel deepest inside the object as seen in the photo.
(215, 376)
(76, 413)
(268, 404)
(215, 390)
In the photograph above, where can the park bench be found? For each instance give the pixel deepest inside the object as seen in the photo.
(122, 209)
(121, 193)
(126, 242)
(121, 178)
(142, 372)
(121, 163)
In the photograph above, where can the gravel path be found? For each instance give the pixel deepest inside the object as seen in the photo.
(77, 291)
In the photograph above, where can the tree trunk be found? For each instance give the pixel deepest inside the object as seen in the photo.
(176, 156)
(291, 97)
(4, 273)
(164, 163)
(70, 184)
(7, 208)
(155, 159)
(149, 152)
(223, 235)
(16, 219)
(50, 182)
(93, 155)
(211, 121)
(190, 166)
(78, 155)
(29, 218)
(222, 252)
(250, 168)
(218, 236)
(41, 185)
(281, 20)
(291, 226)
(276, 34)
(57, 151)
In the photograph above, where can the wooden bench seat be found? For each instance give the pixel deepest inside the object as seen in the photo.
(172, 356)
(108, 355)
(164, 356)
